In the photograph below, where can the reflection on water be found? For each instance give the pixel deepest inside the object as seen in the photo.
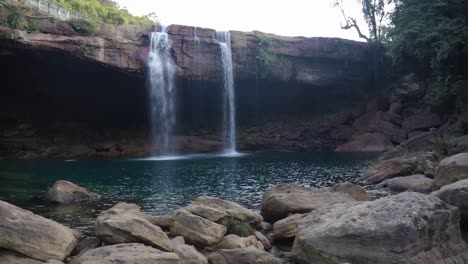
(160, 186)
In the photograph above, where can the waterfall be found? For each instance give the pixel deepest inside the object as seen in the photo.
(229, 117)
(161, 85)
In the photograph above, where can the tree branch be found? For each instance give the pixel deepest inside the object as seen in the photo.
(350, 22)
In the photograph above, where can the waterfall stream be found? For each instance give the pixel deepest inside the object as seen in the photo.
(229, 117)
(161, 85)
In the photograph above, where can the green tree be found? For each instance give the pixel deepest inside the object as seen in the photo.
(431, 37)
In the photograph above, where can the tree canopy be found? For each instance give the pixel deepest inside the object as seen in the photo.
(107, 11)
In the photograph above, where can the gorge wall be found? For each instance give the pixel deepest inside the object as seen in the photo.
(63, 88)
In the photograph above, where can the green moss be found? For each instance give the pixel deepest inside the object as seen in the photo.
(265, 58)
(237, 227)
(15, 20)
(3, 241)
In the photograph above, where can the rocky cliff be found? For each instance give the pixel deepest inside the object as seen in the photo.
(58, 80)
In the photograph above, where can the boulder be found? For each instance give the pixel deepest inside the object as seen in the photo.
(421, 121)
(230, 209)
(393, 118)
(416, 133)
(33, 235)
(189, 255)
(264, 226)
(85, 244)
(177, 241)
(12, 257)
(286, 228)
(356, 191)
(368, 123)
(68, 192)
(242, 256)
(406, 164)
(163, 221)
(284, 199)
(426, 142)
(130, 253)
(195, 229)
(408, 228)
(393, 132)
(262, 239)
(456, 194)
(124, 224)
(395, 108)
(368, 142)
(451, 169)
(230, 242)
(414, 183)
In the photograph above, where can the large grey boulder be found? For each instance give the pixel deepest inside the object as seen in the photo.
(68, 192)
(195, 229)
(282, 200)
(421, 121)
(392, 131)
(11, 257)
(414, 183)
(451, 169)
(34, 235)
(131, 253)
(228, 208)
(406, 164)
(123, 223)
(287, 227)
(408, 228)
(455, 194)
(242, 256)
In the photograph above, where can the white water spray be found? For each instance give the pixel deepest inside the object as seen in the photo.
(161, 85)
(229, 118)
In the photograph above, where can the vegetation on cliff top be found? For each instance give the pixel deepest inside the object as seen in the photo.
(107, 11)
(427, 37)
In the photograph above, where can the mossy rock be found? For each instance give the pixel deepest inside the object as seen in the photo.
(237, 227)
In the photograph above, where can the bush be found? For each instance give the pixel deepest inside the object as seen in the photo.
(15, 20)
(237, 227)
(84, 27)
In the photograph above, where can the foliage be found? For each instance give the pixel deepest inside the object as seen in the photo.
(265, 58)
(15, 20)
(432, 36)
(107, 11)
(84, 27)
(237, 227)
(375, 12)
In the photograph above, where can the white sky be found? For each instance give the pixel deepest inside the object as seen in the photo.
(310, 18)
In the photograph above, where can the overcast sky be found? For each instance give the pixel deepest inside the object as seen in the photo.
(310, 18)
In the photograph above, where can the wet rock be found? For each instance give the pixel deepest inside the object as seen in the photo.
(284, 199)
(230, 209)
(414, 183)
(356, 191)
(242, 256)
(287, 227)
(409, 164)
(195, 229)
(421, 122)
(85, 244)
(12, 257)
(408, 228)
(124, 224)
(368, 142)
(451, 169)
(393, 132)
(68, 192)
(130, 253)
(369, 122)
(34, 235)
(456, 194)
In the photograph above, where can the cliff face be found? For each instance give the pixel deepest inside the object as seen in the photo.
(57, 80)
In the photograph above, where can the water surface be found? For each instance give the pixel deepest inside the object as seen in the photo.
(160, 186)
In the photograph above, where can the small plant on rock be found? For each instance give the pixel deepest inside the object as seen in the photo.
(237, 227)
